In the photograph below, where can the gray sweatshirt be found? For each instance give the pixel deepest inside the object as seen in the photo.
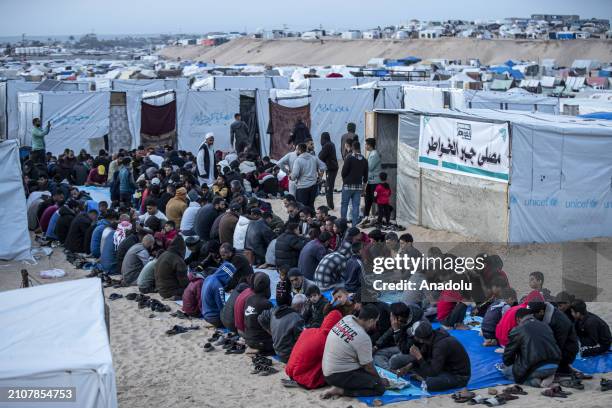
(306, 170)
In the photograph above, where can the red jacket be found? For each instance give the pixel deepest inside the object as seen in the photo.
(239, 308)
(508, 320)
(192, 295)
(446, 303)
(383, 195)
(306, 360)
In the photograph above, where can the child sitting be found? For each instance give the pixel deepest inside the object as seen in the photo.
(383, 196)
(167, 234)
(536, 282)
(504, 300)
(315, 307)
(220, 187)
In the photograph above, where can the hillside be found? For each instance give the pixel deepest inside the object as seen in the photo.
(358, 52)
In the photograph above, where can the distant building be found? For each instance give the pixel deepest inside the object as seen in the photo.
(352, 35)
(565, 18)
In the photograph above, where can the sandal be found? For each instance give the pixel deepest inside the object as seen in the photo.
(131, 296)
(258, 368)
(208, 347)
(236, 348)
(494, 402)
(462, 396)
(507, 397)
(261, 360)
(572, 383)
(289, 383)
(115, 296)
(515, 389)
(582, 376)
(176, 329)
(479, 399)
(555, 392)
(605, 384)
(268, 371)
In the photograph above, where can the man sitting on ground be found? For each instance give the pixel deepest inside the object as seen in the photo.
(532, 355)
(171, 270)
(314, 312)
(593, 332)
(285, 324)
(347, 361)
(213, 293)
(440, 359)
(256, 337)
(135, 259)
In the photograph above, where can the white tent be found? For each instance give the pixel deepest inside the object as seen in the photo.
(58, 338)
(15, 243)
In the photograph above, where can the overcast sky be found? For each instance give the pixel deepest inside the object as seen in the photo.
(62, 17)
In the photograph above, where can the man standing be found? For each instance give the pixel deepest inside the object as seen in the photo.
(328, 156)
(239, 135)
(354, 176)
(347, 139)
(300, 133)
(206, 160)
(374, 170)
(38, 141)
(286, 165)
(348, 364)
(305, 172)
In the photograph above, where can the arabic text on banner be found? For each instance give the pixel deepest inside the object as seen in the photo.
(477, 149)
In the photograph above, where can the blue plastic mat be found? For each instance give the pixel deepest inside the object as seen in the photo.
(484, 373)
(594, 365)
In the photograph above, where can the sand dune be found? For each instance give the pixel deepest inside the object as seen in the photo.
(358, 52)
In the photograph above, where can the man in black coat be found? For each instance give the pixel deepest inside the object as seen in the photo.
(328, 156)
(206, 216)
(532, 354)
(67, 212)
(258, 236)
(593, 332)
(288, 246)
(75, 240)
(563, 330)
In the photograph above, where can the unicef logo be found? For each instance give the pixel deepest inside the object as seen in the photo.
(592, 203)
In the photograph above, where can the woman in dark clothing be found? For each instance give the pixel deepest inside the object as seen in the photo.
(328, 156)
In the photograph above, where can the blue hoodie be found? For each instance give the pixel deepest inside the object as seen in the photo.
(213, 294)
(108, 258)
(96, 237)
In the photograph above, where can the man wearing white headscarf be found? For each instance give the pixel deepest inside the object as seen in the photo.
(206, 160)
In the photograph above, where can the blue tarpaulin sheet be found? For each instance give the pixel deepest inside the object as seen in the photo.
(597, 115)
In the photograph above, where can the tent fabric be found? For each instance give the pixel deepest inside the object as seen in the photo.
(512, 101)
(58, 338)
(29, 107)
(133, 103)
(597, 115)
(124, 85)
(560, 181)
(15, 243)
(76, 119)
(282, 121)
(119, 130)
(200, 112)
(331, 111)
(156, 120)
(263, 118)
(3, 117)
(13, 87)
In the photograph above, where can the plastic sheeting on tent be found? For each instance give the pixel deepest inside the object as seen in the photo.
(331, 111)
(511, 101)
(124, 85)
(3, 117)
(132, 105)
(77, 119)
(426, 98)
(203, 112)
(58, 338)
(15, 242)
(13, 87)
(561, 180)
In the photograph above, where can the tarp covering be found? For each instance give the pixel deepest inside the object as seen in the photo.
(424, 98)
(15, 242)
(331, 111)
(158, 124)
(282, 121)
(511, 101)
(263, 117)
(203, 112)
(13, 87)
(75, 119)
(3, 117)
(123, 85)
(561, 174)
(58, 338)
(132, 105)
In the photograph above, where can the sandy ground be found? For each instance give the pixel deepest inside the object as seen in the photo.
(357, 52)
(154, 370)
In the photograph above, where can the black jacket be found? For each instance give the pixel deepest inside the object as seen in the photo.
(446, 354)
(66, 215)
(255, 335)
(355, 170)
(300, 133)
(204, 220)
(328, 154)
(288, 247)
(403, 337)
(314, 312)
(75, 240)
(564, 332)
(125, 246)
(531, 345)
(285, 325)
(227, 313)
(258, 237)
(594, 335)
